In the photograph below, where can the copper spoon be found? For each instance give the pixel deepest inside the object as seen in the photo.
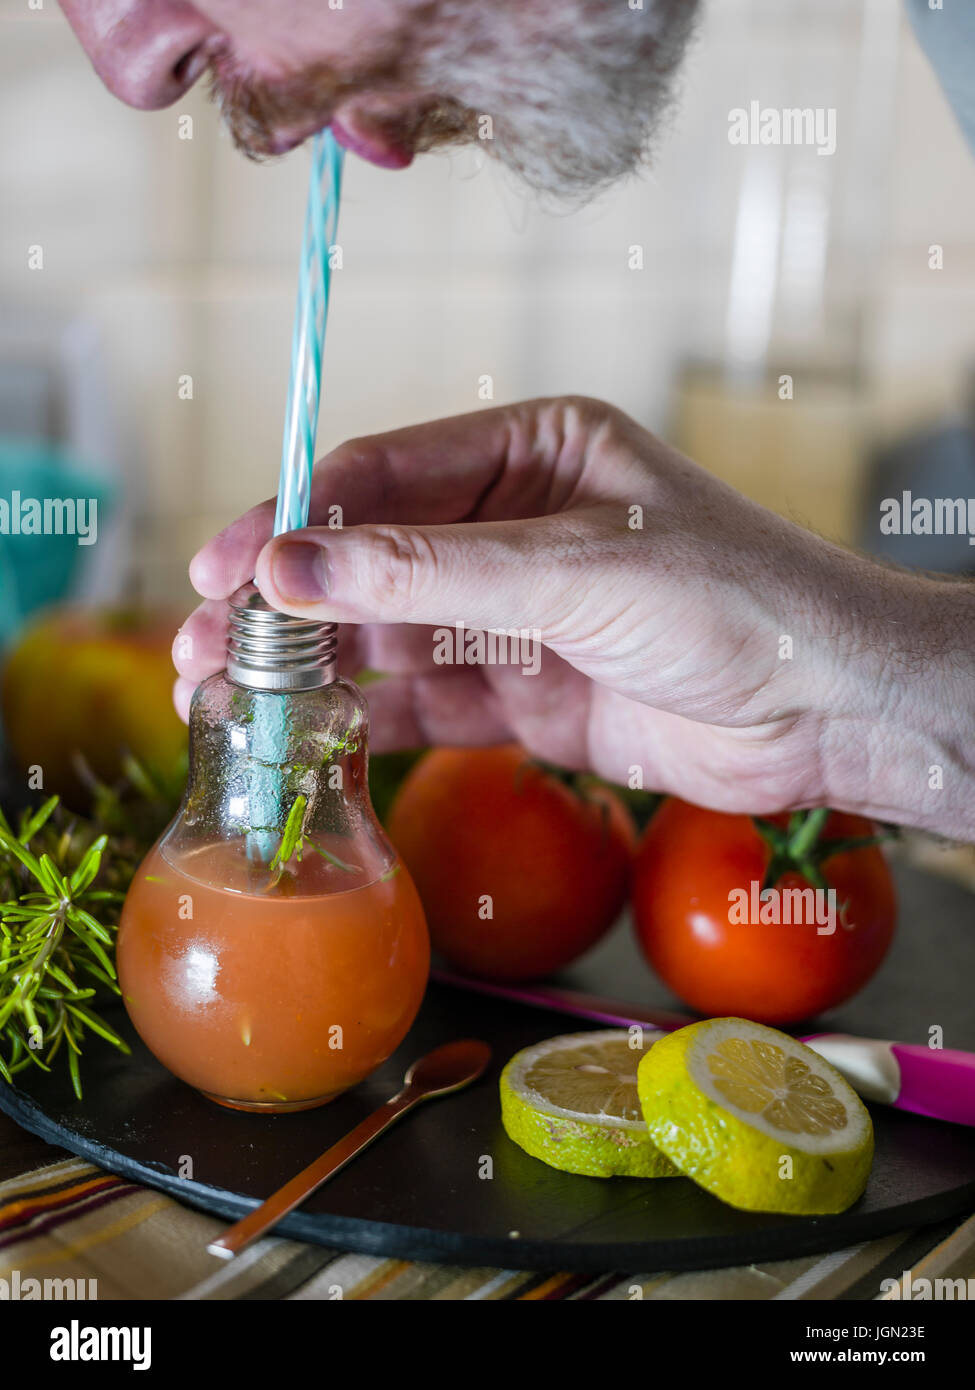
(446, 1069)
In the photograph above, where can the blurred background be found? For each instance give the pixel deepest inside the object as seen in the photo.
(145, 357)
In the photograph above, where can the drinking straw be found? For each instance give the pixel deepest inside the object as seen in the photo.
(311, 314)
(269, 742)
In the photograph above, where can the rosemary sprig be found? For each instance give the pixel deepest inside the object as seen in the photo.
(55, 944)
(63, 878)
(294, 842)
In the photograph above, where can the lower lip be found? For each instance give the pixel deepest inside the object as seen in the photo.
(283, 144)
(381, 156)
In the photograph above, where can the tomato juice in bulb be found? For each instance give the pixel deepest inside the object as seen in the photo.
(272, 949)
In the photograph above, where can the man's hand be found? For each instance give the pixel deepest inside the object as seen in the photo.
(732, 657)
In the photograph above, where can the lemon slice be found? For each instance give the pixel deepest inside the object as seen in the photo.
(573, 1102)
(757, 1118)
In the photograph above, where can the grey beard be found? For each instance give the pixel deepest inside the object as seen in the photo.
(572, 108)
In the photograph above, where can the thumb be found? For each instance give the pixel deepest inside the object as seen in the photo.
(494, 574)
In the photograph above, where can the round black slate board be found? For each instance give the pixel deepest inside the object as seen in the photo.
(421, 1191)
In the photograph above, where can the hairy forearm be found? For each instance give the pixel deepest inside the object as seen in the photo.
(901, 746)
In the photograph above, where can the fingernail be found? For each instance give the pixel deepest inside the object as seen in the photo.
(298, 571)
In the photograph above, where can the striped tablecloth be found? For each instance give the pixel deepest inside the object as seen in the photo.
(71, 1220)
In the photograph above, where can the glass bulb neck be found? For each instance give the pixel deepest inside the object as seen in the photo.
(268, 650)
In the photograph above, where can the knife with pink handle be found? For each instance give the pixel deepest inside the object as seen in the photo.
(937, 1082)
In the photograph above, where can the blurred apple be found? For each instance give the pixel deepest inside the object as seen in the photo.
(96, 682)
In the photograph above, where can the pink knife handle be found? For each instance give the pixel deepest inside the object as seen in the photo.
(939, 1082)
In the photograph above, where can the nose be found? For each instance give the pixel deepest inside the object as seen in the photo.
(147, 52)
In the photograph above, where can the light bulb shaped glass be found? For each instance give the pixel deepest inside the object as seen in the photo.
(272, 949)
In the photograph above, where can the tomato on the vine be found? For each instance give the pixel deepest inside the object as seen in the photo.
(724, 949)
(519, 868)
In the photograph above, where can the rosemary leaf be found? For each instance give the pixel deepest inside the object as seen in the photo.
(98, 1026)
(32, 824)
(291, 837)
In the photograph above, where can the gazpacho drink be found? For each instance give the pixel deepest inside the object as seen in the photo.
(272, 949)
(278, 999)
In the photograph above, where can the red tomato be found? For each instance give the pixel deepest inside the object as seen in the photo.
(518, 873)
(692, 888)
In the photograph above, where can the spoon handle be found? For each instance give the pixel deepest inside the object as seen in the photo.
(293, 1193)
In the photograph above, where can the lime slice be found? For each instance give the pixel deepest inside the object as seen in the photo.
(573, 1102)
(756, 1118)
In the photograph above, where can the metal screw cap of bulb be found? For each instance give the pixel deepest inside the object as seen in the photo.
(268, 650)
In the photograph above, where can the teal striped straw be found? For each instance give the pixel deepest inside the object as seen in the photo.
(311, 314)
(269, 733)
